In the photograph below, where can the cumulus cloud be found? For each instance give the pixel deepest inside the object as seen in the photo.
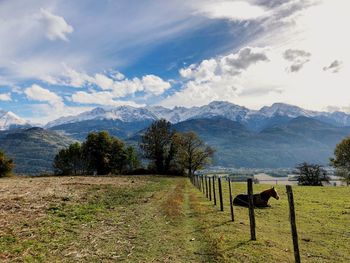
(114, 82)
(216, 78)
(5, 97)
(155, 85)
(56, 26)
(149, 84)
(231, 10)
(49, 105)
(231, 65)
(297, 57)
(103, 81)
(100, 98)
(37, 93)
(334, 67)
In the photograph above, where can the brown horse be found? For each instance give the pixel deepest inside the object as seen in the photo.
(259, 200)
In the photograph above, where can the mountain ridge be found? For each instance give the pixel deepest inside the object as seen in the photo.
(253, 119)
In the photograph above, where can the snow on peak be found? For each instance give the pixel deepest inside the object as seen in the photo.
(8, 119)
(122, 113)
(214, 109)
(288, 110)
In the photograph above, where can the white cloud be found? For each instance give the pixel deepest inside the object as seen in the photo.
(103, 81)
(42, 113)
(56, 26)
(100, 98)
(37, 93)
(118, 76)
(232, 64)
(216, 78)
(155, 85)
(5, 97)
(51, 106)
(232, 10)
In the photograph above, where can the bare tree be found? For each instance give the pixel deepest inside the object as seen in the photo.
(192, 153)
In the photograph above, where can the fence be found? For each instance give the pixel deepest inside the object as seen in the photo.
(207, 185)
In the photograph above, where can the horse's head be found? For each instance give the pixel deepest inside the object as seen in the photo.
(274, 193)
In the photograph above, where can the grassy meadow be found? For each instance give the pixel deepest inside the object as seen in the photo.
(159, 219)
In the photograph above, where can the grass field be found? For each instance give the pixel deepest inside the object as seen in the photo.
(157, 219)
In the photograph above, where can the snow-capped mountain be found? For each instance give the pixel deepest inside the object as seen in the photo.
(254, 119)
(8, 119)
(287, 110)
(122, 113)
(215, 108)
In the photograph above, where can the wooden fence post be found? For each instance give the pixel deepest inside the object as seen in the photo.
(251, 209)
(293, 223)
(209, 188)
(220, 195)
(214, 191)
(203, 186)
(231, 203)
(206, 187)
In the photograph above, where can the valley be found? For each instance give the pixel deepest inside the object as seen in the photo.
(280, 136)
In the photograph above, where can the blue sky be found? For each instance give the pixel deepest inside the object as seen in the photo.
(59, 58)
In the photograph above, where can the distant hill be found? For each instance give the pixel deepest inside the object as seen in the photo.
(33, 149)
(282, 145)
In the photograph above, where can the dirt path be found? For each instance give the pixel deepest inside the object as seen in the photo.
(198, 242)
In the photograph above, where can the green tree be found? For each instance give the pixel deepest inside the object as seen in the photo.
(97, 152)
(341, 160)
(6, 165)
(69, 161)
(100, 153)
(158, 146)
(311, 174)
(118, 157)
(133, 161)
(192, 153)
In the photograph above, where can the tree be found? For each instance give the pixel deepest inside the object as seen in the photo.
(118, 157)
(133, 161)
(6, 165)
(311, 174)
(100, 153)
(69, 161)
(192, 153)
(158, 146)
(97, 152)
(341, 160)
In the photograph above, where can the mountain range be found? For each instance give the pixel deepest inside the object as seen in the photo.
(254, 120)
(279, 135)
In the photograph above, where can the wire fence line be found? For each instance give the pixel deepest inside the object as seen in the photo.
(207, 185)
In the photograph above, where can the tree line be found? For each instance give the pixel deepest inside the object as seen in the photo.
(167, 152)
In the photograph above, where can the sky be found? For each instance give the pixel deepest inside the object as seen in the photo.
(61, 57)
